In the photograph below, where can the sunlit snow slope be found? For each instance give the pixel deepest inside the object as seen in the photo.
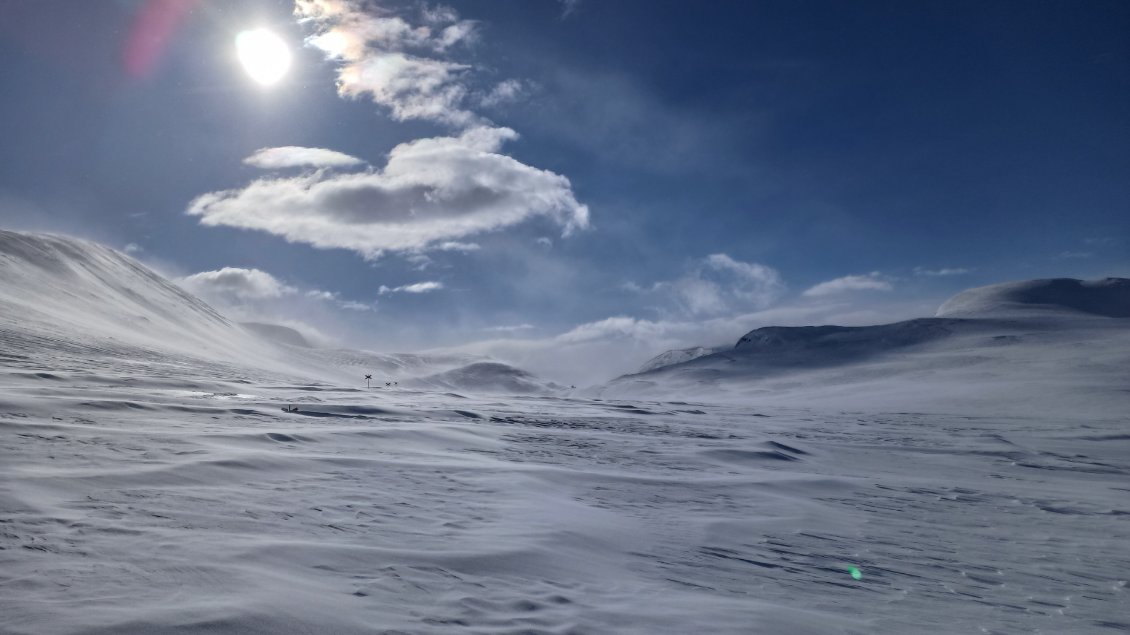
(68, 303)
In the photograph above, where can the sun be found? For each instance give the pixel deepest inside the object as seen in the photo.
(264, 55)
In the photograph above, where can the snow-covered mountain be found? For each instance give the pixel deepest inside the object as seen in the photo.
(67, 303)
(1063, 297)
(64, 289)
(278, 333)
(678, 356)
(487, 377)
(1058, 343)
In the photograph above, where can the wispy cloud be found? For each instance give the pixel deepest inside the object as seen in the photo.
(352, 305)
(719, 284)
(395, 63)
(873, 281)
(509, 328)
(942, 272)
(569, 7)
(431, 194)
(295, 156)
(419, 287)
(1102, 241)
(1075, 255)
(504, 92)
(452, 245)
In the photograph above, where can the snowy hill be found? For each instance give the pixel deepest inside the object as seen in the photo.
(678, 356)
(278, 333)
(490, 377)
(67, 303)
(1057, 344)
(68, 295)
(1109, 297)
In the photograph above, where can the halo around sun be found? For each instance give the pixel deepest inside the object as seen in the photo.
(264, 55)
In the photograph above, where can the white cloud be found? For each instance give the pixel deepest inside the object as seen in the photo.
(431, 191)
(944, 271)
(458, 246)
(321, 295)
(719, 284)
(383, 57)
(568, 7)
(544, 241)
(873, 281)
(250, 292)
(509, 328)
(352, 305)
(615, 327)
(632, 287)
(419, 287)
(236, 283)
(295, 156)
(133, 248)
(439, 14)
(504, 92)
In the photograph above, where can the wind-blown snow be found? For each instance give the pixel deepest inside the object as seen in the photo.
(1109, 297)
(278, 333)
(1034, 347)
(157, 486)
(489, 377)
(677, 356)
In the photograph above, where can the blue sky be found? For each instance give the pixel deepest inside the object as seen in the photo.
(576, 186)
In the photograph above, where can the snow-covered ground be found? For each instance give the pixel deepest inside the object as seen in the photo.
(150, 481)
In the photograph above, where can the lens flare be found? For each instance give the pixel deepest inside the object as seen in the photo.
(264, 55)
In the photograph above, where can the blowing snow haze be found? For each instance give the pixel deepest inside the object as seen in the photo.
(546, 316)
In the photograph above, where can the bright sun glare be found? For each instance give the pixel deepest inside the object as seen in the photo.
(264, 55)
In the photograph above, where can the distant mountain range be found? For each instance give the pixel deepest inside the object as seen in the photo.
(69, 303)
(1056, 340)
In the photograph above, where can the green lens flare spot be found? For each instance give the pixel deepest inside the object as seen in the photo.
(855, 572)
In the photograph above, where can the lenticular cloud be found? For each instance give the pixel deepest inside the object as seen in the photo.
(431, 191)
(296, 157)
